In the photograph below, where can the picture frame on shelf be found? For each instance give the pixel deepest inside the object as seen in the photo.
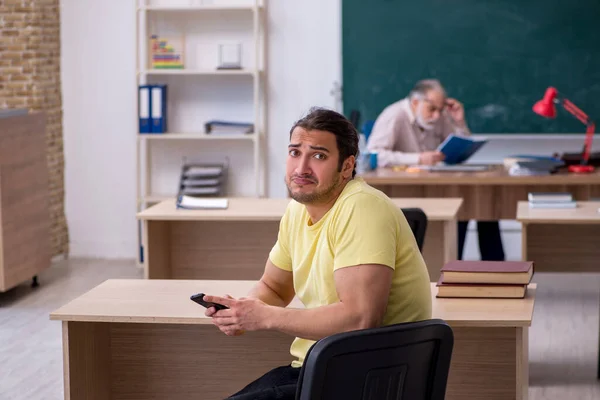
(230, 55)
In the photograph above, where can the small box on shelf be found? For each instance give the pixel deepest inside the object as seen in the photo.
(230, 56)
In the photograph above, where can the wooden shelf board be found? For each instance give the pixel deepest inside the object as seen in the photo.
(195, 136)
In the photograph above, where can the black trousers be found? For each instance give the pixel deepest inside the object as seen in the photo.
(490, 241)
(278, 384)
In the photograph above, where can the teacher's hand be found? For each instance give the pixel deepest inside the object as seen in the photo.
(431, 157)
(456, 111)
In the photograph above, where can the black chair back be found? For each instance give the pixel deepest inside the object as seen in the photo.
(402, 361)
(418, 224)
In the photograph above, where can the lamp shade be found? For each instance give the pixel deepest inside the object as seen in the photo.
(545, 107)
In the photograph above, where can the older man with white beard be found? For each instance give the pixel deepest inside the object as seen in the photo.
(409, 131)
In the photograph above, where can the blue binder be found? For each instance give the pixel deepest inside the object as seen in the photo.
(144, 103)
(459, 149)
(159, 108)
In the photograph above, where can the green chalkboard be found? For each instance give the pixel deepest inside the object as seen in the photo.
(496, 56)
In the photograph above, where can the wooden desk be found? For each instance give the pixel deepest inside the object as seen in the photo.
(144, 339)
(235, 243)
(562, 240)
(487, 195)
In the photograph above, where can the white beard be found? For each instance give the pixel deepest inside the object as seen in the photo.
(426, 125)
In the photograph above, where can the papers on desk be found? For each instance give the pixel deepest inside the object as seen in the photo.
(551, 200)
(197, 203)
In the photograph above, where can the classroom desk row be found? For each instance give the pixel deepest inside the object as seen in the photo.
(234, 243)
(145, 339)
(488, 195)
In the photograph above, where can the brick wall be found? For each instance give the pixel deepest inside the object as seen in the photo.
(30, 78)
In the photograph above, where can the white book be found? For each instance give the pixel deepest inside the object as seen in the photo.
(556, 205)
(195, 203)
(550, 197)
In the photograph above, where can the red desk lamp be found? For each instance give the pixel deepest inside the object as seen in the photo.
(546, 108)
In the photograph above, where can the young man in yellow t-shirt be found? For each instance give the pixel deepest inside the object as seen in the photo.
(343, 248)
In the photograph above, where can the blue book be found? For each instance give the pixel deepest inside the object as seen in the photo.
(459, 149)
(144, 105)
(159, 108)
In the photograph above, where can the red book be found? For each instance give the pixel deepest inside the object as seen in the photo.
(499, 272)
(480, 290)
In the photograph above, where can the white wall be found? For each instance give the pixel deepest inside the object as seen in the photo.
(99, 89)
(98, 82)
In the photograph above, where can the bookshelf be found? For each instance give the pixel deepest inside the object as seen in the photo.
(198, 92)
(247, 20)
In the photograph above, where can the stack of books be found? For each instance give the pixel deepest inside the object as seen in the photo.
(535, 167)
(551, 200)
(485, 279)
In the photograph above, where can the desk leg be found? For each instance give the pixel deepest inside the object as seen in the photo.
(86, 361)
(157, 250)
(522, 363)
(489, 363)
(524, 254)
(440, 246)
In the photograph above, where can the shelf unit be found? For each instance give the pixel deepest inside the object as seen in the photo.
(247, 18)
(150, 11)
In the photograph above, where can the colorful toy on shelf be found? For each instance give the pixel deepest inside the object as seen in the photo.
(164, 54)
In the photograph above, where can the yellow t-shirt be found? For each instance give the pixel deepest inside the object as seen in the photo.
(362, 227)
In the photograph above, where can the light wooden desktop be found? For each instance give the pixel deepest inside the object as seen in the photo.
(562, 240)
(234, 243)
(139, 338)
(487, 195)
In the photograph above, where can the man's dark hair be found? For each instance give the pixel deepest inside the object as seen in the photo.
(346, 136)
